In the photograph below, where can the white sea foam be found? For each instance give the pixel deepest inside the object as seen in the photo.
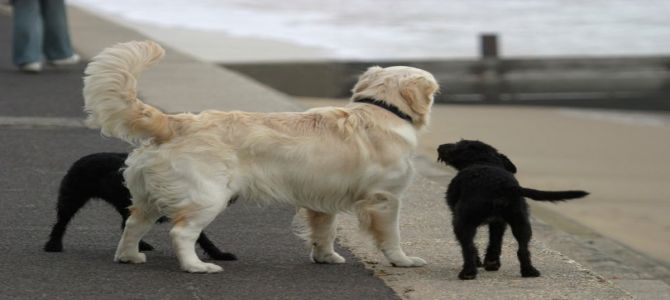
(376, 29)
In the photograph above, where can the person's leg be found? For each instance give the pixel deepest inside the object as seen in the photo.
(56, 44)
(27, 32)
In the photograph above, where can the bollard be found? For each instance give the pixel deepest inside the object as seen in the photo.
(489, 45)
(490, 77)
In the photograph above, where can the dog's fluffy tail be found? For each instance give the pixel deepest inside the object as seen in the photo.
(551, 195)
(110, 94)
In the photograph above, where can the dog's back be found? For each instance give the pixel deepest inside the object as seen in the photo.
(96, 176)
(487, 190)
(92, 176)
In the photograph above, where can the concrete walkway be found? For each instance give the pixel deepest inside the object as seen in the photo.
(571, 149)
(617, 156)
(272, 262)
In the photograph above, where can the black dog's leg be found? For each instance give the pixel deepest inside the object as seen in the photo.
(211, 250)
(523, 232)
(479, 259)
(496, 233)
(122, 207)
(67, 207)
(465, 233)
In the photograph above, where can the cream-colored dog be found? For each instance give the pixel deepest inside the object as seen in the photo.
(327, 160)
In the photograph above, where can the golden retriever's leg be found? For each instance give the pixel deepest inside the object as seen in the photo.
(138, 224)
(188, 224)
(322, 237)
(378, 215)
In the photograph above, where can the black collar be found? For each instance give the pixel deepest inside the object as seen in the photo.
(390, 107)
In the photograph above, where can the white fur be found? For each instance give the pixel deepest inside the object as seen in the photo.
(325, 161)
(407, 132)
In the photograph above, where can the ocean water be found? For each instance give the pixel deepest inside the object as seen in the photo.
(393, 29)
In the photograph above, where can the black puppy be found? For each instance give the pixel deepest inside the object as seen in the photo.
(485, 191)
(98, 175)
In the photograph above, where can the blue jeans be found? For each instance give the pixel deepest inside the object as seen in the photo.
(39, 27)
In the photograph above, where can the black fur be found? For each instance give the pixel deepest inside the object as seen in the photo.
(98, 176)
(485, 191)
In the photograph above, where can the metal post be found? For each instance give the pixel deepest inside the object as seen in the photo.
(489, 45)
(490, 76)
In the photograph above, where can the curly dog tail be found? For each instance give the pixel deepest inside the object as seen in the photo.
(551, 196)
(110, 94)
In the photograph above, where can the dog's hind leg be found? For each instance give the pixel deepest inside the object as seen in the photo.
(138, 224)
(211, 250)
(523, 232)
(496, 233)
(67, 207)
(465, 234)
(378, 215)
(188, 224)
(322, 237)
(121, 206)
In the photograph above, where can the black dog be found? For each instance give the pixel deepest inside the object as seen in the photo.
(98, 176)
(485, 191)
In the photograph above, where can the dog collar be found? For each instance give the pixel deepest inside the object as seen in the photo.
(390, 107)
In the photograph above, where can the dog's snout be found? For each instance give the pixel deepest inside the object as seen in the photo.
(445, 148)
(443, 152)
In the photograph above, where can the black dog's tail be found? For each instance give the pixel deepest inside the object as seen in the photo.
(551, 196)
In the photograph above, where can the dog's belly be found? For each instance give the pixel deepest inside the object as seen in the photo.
(492, 219)
(327, 177)
(319, 188)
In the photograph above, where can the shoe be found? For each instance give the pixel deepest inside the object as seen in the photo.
(74, 59)
(33, 67)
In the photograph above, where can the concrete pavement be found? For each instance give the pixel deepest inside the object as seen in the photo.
(575, 149)
(273, 263)
(616, 156)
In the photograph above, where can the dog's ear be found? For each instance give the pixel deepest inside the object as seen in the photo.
(509, 166)
(418, 92)
(366, 79)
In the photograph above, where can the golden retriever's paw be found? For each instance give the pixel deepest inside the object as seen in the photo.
(409, 262)
(130, 258)
(202, 267)
(328, 258)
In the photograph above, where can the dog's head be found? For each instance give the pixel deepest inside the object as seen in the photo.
(410, 89)
(467, 152)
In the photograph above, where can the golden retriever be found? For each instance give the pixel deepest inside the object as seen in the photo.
(326, 160)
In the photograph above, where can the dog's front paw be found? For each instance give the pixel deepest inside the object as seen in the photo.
(202, 267)
(492, 265)
(408, 262)
(144, 246)
(327, 258)
(218, 255)
(468, 274)
(530, 272)
(126, 258)
(53, 246)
